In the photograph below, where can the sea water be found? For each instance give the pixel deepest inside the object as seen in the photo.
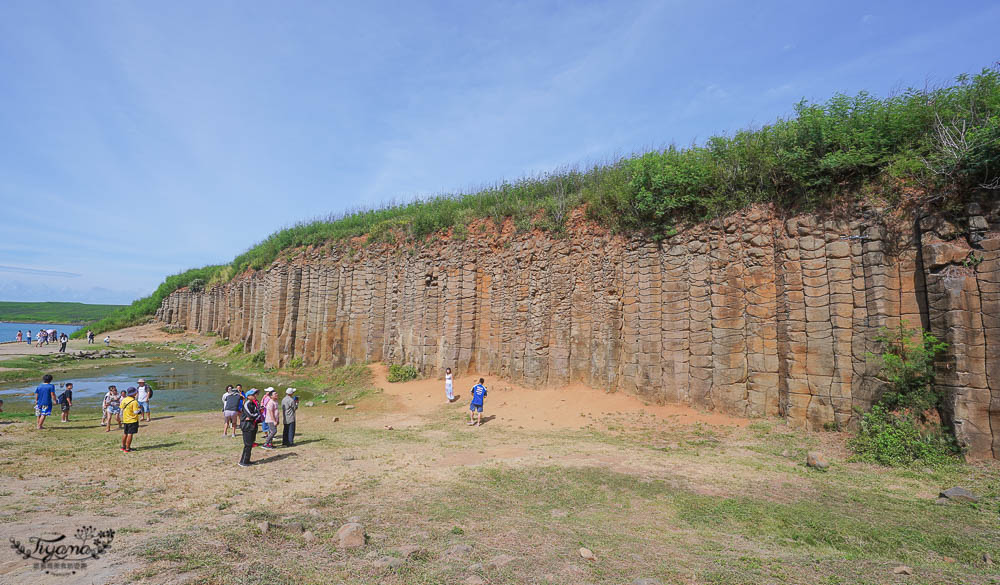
(8, 331)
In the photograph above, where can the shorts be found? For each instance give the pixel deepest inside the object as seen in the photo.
(131, 428)
(64, 407)
(476, 407)
(114, 410)
(265, 426)
(229, 414)
(144, 406)
(43, 410)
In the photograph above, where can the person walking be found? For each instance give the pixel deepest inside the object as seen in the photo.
(449, 390)
(249, 417)
(28, 338)
(38, 338)
(130, 418)
(45, 396)
(476, 406)
(231, 410)
(90, 336)
(144, 394)
(63, 339)
(20, 336)
(66, 401)
(270, 417)
(289, 404)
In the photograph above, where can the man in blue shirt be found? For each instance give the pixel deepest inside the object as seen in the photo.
(45, 395)
(476, 408)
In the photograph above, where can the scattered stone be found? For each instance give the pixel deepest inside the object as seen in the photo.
(408, 551)
(309, 536)
(388, 427)
(323, 401)
(341, 403)
(351, 535)
(349, 407)
(816, 461)
(336, 419)
(473, 580)
(458, 550)
(987, 560)
(474, 567)
(309, 502)
(959, 494)
(645, 581)
(294, 527)
(310, 403)
(902, 570)
(941, 501)
(949, 559)
(355, 519)
(587, 554)
(264, 527)
(388, 563)
(499, 561)
(557, 513)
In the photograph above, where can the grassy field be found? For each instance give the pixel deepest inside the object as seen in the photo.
(69, 313)
(651, 498)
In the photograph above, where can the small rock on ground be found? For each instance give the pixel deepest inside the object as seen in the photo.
(499, 561)
(816, 461)
(264, 526)
(388, 563)
(408, 551)
(457, 550)
(473, 580)
(351, 535)
(309, 536)
(959, 494)
(557, 513)
(294, 527)
(902, 570)
(645, 581)
(349, 407)
(587, 554)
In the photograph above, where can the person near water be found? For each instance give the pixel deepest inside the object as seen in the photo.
(231, 410)
(449, 390)
(130, 418)
(270, 417)
(28, 337)
(66, 401)
(111, 408)
(20, 336)
(63, 339)
(38, 338)
(45, 396)
(476, 407)
(249, 417)
(90, 336)
(289, 404)
(144, 394)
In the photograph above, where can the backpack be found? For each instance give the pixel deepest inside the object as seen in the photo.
(61, 399)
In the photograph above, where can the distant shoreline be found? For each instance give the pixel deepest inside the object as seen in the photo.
(31, 322)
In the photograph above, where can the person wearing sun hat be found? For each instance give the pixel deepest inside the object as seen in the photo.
(130, 418)
(249, 416)
(289, 404)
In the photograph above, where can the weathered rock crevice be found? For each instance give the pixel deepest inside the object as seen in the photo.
(754, 314)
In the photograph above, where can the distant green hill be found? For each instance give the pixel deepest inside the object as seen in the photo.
(70, 313)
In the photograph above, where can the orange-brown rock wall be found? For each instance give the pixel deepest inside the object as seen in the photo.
(753, 315)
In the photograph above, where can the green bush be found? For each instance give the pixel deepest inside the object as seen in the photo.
(221, 342)
(296, 363)
(908, 367)
(258, 358)
(401, 373)
(894, 439)
(237, 349)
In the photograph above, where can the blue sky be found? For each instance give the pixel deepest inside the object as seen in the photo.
(140, 139)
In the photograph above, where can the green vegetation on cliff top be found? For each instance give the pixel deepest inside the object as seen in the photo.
(943, 141)
(72, 313)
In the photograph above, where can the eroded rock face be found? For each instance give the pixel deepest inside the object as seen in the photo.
(753, 314)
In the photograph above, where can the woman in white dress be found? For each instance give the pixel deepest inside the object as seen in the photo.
(448, 389)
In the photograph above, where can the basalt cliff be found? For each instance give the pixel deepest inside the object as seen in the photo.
(754, 314)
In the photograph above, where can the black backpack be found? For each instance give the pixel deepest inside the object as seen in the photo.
(61, 399)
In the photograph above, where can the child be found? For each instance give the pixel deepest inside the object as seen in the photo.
(449, 392)
(111, 409)
(66, 401)
(476, 408)
(107, 340)
(270, 406)
(130, 418)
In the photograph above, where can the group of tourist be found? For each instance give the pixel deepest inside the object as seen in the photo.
(46, 399)
(43, 337)
(478, 397)
(244, 409)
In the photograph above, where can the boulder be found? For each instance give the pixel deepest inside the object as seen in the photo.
(309, 536)
(959, 494)
(351, 535)
(385, 563)
(816, 461)
(458, 550)
(264, 527)
(587, 554)
(902, 570)
(408, 551)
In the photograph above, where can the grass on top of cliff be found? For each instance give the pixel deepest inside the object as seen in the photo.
(445, 502)
(844, 148)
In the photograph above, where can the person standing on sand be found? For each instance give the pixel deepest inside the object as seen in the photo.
(449, 390)
(90, 336)
(144, 394)
(249, 416)
(20, 336)
(476, 407)
(107, 340)
(28, 338)
(45, 396)
(66, 401)
(130, 418)
(62, 343)
(271, 418)
(289, 404)
(231, 410)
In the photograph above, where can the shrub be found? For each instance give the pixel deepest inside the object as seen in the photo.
(221, 342)
(894, 439)
(908, 367)
(258, 358)
(401, 373)
(296, 363)
(237, 349)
